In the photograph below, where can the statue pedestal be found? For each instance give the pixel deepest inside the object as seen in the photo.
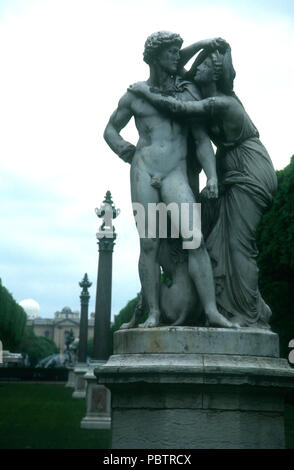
(98, 401)
(71, 382)
(79, 381)
(196, 388)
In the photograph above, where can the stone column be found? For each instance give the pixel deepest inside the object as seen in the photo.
(106, 241)
(98, 397)
(85, 297)
(71, 380)
(82, 367)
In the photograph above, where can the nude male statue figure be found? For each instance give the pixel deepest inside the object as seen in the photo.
(159, 169)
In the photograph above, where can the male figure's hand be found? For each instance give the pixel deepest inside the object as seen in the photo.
(128, 154)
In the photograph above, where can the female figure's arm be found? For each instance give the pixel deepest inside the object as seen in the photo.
(187, 52)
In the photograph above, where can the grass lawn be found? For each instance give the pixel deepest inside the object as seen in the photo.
(45, 416)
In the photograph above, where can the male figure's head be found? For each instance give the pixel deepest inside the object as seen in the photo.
(162, 48)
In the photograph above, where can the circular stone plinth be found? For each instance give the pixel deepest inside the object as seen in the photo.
(197, 340)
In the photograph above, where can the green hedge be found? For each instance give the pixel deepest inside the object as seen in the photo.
(36, 347)
(275, 238)
(12, 320)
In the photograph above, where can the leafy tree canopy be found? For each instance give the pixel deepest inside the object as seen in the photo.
(12, 320)
(36, 347)
(275, 238)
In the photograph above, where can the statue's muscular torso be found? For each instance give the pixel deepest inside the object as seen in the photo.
(162, 144)
(162, 141)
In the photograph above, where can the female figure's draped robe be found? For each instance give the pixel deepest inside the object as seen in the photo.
(248, 181)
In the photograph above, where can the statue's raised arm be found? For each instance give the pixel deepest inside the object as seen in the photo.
(188, 52)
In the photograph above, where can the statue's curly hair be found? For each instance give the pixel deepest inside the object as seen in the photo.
(156, 41)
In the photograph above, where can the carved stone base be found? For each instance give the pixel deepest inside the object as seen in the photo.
(98, 400)
(231, 397)
(80, 382)
(71, 382)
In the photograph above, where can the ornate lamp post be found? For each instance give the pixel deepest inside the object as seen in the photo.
(98, 396)
(85, 296)
(82, 367)
(106, 240)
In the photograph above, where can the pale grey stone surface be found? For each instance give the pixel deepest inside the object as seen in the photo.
(79, 380)
(92, 422)
(98, 402)
(180, 396)
(196, 429)
(196, 369)
(197, 400)
(193, 340)
(71, 379)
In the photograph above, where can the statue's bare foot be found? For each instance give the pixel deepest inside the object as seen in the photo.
(152, 320)
(130, 324)
(218, 320)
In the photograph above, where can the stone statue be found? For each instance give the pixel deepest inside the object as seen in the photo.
(72, 344)
(159, 166)
(247, 183)
(73, 351)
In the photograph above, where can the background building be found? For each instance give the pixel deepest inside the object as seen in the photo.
(58, 327)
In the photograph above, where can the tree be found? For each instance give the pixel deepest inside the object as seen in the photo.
(124, 316)
(275, 238)
(36, 347)
(12, 320)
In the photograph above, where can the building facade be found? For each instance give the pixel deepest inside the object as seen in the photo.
(58, 327)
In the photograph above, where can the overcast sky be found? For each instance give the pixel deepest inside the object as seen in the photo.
(64, 66)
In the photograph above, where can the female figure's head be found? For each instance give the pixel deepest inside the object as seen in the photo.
(214, 66)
